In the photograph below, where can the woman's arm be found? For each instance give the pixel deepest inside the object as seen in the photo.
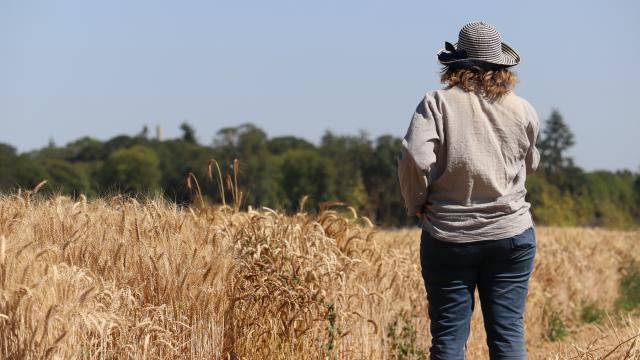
(417, 157)
(533, 155)
(413, 182)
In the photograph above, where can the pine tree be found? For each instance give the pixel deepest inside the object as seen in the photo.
(556, 139)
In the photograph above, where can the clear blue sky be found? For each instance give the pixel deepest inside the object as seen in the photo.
(102, 68)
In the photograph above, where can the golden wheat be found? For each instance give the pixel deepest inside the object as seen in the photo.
(116, 278)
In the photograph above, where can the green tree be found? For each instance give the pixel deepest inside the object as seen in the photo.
(132, 170)
(556, 139)
(612, 198)
(282, 144)
(636, 190)
(381, 180)
(548, 205)
(28, 171)
(349, 155)
(7, 164)
(179, 158)
(117, 142)
(306, 172)
(86, 149)
(571, 179)
(66, 177)
(188, 133)
(258, 175)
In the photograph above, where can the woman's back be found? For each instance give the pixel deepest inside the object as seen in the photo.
(483, 152)
(462, 170)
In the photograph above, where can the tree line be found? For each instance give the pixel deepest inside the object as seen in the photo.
(277, 172)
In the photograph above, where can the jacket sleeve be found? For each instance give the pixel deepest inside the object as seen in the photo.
(417, 158)
(532, 158)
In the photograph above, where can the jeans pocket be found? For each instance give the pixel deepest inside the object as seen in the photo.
(524, 240)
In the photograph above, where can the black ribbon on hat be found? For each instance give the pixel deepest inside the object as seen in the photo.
(450, 53)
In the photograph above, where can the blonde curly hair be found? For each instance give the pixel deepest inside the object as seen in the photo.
(491, 82)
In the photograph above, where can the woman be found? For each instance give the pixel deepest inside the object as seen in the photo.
(462, 171)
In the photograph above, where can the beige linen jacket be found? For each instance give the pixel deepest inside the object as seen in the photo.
(463, 164)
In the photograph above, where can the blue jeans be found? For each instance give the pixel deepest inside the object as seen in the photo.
(500, 269)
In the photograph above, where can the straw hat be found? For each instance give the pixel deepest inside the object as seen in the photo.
(478, 44)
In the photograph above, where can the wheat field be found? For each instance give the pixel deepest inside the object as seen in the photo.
(119, 278)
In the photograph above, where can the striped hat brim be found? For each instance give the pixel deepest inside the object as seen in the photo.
(509, 57)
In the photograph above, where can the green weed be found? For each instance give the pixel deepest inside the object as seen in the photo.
(556, 329)
(403, 337)
(629, 297)
(592, 313)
